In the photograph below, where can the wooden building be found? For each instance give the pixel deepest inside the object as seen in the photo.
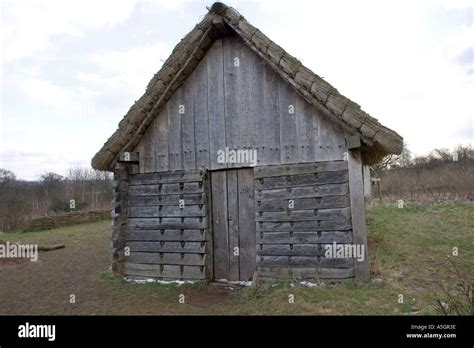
(239, 162)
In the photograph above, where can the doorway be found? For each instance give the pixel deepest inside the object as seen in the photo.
(233, 223)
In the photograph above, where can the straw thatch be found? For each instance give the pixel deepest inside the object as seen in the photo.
(221, 20)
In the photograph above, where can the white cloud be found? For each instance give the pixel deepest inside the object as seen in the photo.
(131, 68)
(29, 26)
(46, 92)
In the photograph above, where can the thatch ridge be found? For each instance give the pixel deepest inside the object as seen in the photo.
(378, 140)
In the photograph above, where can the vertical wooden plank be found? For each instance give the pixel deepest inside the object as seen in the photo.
(210, 249)
(187, 126)
(220, 224)
(331, 141)
(250, 99)
(233, 80)
(174, 121)
(215, 81)
(140, 148)
(304, 131)
(233, 218)
(201, 118)
(356, 191)
(162, 141)
(286, 102)
(149, 149)
(269, 120)
(247, 224)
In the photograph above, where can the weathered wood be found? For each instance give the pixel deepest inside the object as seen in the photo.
(187, 125)
(162, 141)
(51, 247)
(165, 271)
(303, 168)
(174, 132)
(303, 192)
(188, 187)
(168, 178)
(303, 261)
(149, 150)
(220, 224)
(303, 204)
(305, 215)
(301, 180)
(251, 103)
(225, 99)
(304, 130)
(308, 237)
(159, 258)
(286, 103)
(215, 78)
(140, 148)
(356, 187)
(201, 115)
(171, 199)
(353, 142)
(247, 232)
(330, 143)
(233, 223)
(291, 249)
(232, 74)
(168, 235)
(299, 226)
(167, 223)
(167, 211)
(170, 247)
(269, 121)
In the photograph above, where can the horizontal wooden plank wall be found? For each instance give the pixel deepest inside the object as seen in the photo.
(291, 240)
(232, 99)
(167, 241)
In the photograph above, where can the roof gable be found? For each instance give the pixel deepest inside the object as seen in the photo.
(221, 20)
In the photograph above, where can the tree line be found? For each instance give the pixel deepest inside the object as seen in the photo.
(81, 189)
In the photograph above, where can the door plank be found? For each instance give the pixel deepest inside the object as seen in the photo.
(233, 218)
(219, 224)
(247, 224)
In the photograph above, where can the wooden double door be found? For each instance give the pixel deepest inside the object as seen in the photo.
(233, 223)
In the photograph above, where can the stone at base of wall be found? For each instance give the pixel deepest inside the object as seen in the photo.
(265, 277)
(118, 268)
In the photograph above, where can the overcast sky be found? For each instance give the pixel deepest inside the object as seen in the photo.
(71, 69)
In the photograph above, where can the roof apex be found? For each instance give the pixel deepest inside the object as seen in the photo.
(378, 140)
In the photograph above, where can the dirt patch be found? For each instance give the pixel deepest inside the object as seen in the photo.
(10, 262)
(207, 297)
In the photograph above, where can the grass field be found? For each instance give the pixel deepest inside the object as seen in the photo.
(407, 248)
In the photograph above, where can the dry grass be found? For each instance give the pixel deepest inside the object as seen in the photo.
(448, 182)
(407, 250)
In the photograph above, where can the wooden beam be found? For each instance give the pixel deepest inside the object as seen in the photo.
(356, 190)
(353, 141)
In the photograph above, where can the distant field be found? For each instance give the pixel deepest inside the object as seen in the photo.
(407, 249)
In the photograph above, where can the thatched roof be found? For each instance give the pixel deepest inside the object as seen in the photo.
(378, 141)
